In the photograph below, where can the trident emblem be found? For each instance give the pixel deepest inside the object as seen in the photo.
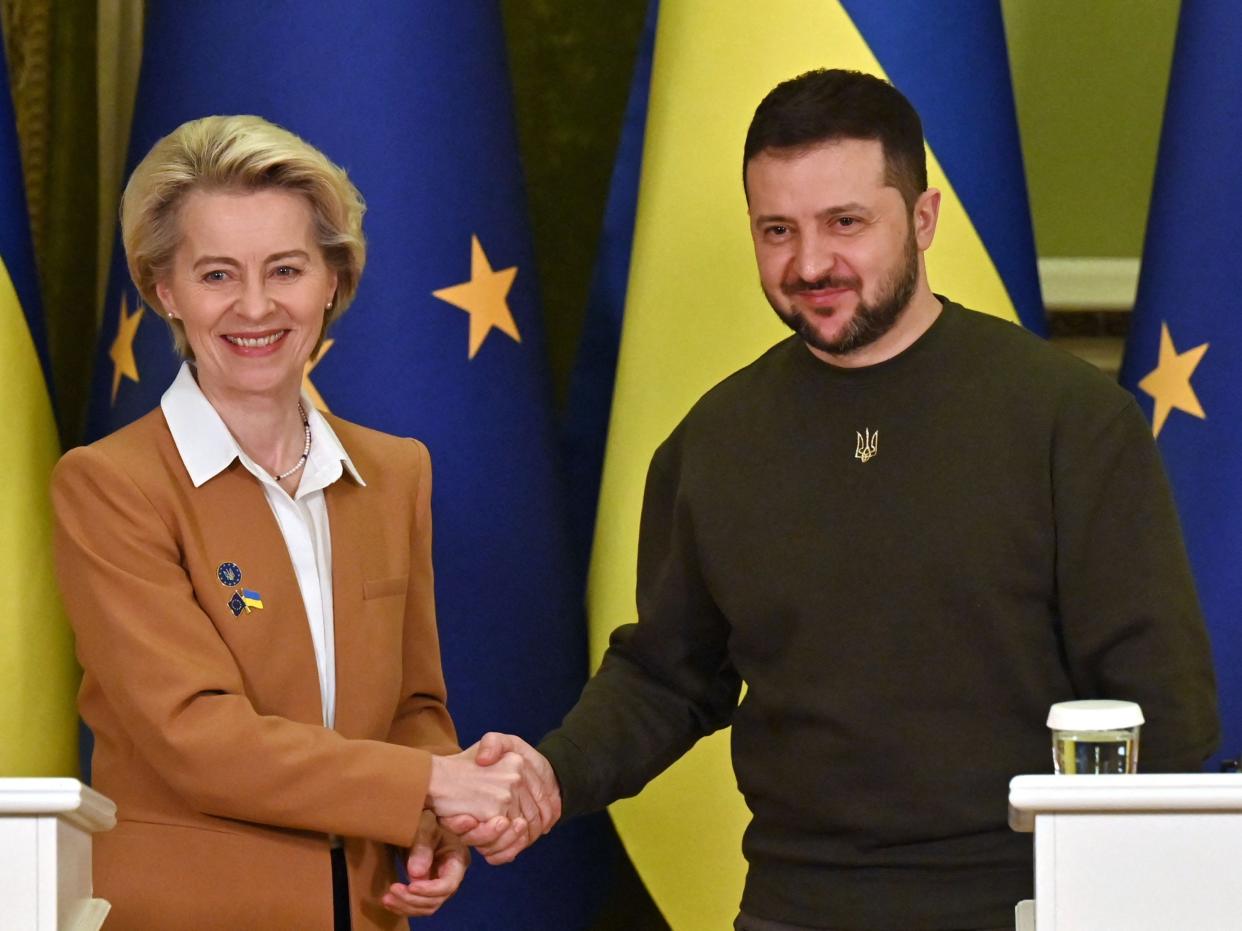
(868, 444)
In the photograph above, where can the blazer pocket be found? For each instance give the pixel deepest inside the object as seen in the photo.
(381, 588)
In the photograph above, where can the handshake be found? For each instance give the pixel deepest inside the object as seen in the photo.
(499, 796)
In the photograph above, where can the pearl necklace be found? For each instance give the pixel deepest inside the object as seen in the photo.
(305, 449)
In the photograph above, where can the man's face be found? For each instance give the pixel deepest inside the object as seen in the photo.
(837, 252)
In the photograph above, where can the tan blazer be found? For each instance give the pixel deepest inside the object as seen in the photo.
(208, 725)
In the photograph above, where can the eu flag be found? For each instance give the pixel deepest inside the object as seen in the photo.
(1184, 353)
(444, 342)
(677, 258)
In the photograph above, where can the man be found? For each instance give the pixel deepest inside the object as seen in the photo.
(909, 529)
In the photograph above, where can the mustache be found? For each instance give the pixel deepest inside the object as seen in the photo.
(798, 285)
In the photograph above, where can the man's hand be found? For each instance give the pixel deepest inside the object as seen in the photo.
(541, 802)
(436, 865)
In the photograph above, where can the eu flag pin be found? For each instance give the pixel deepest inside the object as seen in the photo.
(229, 574)
(237, 605)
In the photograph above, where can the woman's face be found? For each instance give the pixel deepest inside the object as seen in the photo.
(250, 285)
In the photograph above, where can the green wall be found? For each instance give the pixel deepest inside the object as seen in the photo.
(1090, 78)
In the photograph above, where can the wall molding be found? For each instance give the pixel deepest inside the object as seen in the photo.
(1087, 283)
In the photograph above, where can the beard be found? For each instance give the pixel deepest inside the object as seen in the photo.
(870, 321)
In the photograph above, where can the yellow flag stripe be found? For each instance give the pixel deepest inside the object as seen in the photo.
(38, 717)
(694, 313)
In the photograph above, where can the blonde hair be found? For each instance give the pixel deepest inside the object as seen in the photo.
(237, 153)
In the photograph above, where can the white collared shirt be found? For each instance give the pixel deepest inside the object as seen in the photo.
(207, 448)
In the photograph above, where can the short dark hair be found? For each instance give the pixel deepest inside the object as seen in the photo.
(830, 104)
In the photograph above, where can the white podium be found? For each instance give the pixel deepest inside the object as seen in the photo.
(45, 854)
(1133, 853)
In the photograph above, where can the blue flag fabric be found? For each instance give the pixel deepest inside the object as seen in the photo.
(1183, 356)
(414, 101)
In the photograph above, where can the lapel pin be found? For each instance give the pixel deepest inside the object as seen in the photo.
(252, 600)
(229, 574)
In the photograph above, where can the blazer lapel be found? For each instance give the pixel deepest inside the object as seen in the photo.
(348, 522)
(273, 643)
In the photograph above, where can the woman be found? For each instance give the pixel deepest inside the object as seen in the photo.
(250, 580)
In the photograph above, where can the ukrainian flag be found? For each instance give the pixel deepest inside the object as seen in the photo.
(1184, 352)
(252, 600)
(38, 720)
(693, 311)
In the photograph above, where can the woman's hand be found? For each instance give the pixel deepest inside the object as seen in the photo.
(460, 786)
(499, 840)
(436, 866)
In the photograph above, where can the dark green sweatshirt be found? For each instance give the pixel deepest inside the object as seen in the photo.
(902, 620)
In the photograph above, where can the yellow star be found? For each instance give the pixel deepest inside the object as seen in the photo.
(307, 386)
(122, 351)
(484, 297)
(1169, 382)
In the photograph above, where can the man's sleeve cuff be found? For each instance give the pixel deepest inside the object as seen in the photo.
(573, 772)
